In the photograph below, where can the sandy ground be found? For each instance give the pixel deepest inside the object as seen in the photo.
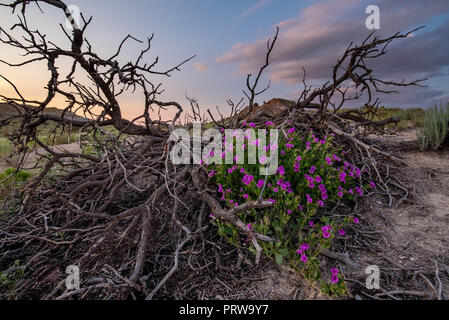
(31, 157)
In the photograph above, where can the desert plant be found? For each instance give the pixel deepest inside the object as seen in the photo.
(312, 175)
(434, 127)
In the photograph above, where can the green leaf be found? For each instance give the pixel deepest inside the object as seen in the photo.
(283, 252)
(279, 258)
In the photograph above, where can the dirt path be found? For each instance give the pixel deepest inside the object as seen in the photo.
(31, 157)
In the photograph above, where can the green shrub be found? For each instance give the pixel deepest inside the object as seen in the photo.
(311, 175)
(5, 147)
(434, 127)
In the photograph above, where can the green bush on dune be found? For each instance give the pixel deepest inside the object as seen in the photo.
(434, 127)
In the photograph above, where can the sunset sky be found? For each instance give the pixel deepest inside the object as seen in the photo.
(229, 38)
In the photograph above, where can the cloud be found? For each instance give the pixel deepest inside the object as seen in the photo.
(317, 38)
(201, 66)
(256, 7)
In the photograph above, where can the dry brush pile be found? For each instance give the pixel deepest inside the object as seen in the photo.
(135, 223)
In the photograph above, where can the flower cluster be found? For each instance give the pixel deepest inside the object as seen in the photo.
(312, 174)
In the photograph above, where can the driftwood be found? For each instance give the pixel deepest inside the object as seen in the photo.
(115, 213)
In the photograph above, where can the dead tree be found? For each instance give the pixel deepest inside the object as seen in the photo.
(129, 216)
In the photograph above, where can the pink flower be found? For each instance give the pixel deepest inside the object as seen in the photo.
(211, 174)
(304, 258)
(320, 203)
(269, 123)
(245, 196)
(249, 226)
(326, 234)
(312, 169)
(260, 183)
(341, 232)
(356, 220)
(334, 271)
(334, 279)
(343, 177)
(252, 125)
(312, 224)
(372, 184)
(281, 170)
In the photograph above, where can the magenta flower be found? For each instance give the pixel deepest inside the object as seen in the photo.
(340, 194)
(281, 170)
(334, 271)
(211, 174)
(318, 179)
(312, 224)
(334, 279)
(242, 170)
(291, 130)
(372, 184)
(289, 145)
(298, 158)
(269, 123)
(245, 196)
(343, 177)
(249, 226)
(320, 203)
(341, 232)
(304, 258)
(326, 234)
(312, 169)
(328, 160)
(252, 125)
(247, 179)
(356, 220)
(260, 183)
(289, 211)
(305, 246)
(276, 190)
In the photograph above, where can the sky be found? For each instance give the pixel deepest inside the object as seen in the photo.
(229, 41)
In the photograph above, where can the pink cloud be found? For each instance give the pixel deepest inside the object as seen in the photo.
(201, 66)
